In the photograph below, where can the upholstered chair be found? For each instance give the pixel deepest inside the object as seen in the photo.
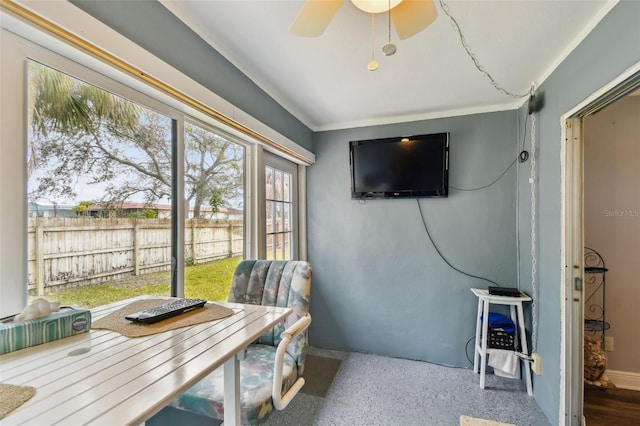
(271, 372)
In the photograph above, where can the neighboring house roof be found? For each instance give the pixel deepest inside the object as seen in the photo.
(159, 207)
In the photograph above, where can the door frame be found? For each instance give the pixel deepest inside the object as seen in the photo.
(572, 249)
(572, 272)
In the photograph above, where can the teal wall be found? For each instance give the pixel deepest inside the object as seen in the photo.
(379, 286)
(611, 48)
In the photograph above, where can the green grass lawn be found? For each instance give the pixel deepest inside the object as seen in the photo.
(210, 281)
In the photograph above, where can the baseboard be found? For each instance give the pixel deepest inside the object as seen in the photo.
(625, 379)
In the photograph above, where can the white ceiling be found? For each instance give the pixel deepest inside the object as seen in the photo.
(325, 82)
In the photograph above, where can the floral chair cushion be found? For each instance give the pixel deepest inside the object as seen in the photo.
(256, 378)
(269, 283)
(276, 283)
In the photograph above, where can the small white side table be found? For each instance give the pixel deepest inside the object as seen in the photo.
(515, 304)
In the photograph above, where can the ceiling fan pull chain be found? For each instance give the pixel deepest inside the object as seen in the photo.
(373, 64)
(389, 48)
(476, 62)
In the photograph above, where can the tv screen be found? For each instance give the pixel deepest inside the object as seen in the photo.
(408, 166)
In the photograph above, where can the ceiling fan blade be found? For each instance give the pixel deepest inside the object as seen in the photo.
(314, 17)
(412, 16)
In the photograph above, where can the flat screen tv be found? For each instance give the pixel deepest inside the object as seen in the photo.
(407, 166)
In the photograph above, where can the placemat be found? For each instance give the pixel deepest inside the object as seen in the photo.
(13, 396)
(116, 320)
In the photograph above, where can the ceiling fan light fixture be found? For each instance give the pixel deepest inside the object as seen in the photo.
(375, 6)
(409, 17)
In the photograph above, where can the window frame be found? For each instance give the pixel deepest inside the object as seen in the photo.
(14, 298)
(282, 164)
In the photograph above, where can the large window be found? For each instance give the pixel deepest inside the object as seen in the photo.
(214, 197)
(99, 190)
(129, 189)
(101, 197)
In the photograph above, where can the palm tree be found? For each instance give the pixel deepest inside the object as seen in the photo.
(63, 104)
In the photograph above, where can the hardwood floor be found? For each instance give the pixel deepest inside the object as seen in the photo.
(619, 407)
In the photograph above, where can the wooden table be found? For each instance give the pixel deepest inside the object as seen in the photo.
(102, 377)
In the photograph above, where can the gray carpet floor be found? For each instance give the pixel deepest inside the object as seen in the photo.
(378, 390)
(373, 390)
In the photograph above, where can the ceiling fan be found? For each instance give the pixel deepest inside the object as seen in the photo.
(409, 16)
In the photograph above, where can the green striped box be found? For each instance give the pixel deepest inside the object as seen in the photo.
(67, 322)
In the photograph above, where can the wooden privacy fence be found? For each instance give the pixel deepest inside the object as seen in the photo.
(80, 251)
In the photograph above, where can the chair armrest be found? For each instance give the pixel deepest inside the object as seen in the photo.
(281, 401)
